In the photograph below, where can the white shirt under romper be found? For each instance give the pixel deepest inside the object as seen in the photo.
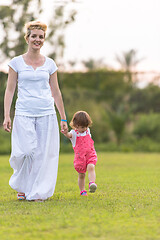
(34, 93)
(74, 135)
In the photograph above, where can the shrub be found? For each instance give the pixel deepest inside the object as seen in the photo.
(148, 126)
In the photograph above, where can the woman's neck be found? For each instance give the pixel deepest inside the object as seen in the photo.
(31, 54)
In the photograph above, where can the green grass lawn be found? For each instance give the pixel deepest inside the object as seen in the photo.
(126, 205)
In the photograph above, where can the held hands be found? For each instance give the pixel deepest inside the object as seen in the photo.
(7, 124)
(64, 127)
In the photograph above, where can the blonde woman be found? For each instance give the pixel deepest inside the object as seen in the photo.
(35, 133)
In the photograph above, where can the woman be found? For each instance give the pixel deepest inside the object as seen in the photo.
(35, 133)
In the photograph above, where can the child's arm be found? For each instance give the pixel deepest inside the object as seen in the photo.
(68, 134)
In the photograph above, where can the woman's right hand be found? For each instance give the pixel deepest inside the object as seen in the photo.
(7, 124)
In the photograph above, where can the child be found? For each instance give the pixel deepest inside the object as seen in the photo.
(85, 154)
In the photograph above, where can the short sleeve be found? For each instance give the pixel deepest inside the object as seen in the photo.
(73, 139)
(52, 67)
(13, 64)
(89, 132)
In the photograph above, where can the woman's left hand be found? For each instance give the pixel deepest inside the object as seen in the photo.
(64, 127)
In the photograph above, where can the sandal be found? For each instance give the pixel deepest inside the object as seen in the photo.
(92, 187)
(21, 196)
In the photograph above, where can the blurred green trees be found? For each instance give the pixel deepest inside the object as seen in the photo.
(148, 126)
(128, 60)
(122, 113)
(117, 120)
(13, 18)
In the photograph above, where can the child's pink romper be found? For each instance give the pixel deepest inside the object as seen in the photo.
(84, 152)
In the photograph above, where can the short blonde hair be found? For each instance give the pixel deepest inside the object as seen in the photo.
(81, 118)
(34, 25)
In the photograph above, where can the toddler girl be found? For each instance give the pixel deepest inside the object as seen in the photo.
(85, 154)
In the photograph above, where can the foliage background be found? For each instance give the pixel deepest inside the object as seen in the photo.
(125, 117)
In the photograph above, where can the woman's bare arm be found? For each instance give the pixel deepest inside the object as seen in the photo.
(8, 97)
(56, 93)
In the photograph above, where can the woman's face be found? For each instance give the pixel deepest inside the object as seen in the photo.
(36, 39)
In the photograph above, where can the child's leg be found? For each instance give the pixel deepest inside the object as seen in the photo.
(91, 177)
(81, 181)
(91, 172)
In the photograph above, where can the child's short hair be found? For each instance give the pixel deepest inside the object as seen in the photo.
(34, 25)
(81, 118)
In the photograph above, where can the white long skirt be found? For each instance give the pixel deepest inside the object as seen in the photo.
(34, 156)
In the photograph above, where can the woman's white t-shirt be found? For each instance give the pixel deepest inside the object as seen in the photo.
(34, 92)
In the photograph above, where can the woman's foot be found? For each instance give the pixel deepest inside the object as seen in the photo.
(21, 196)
